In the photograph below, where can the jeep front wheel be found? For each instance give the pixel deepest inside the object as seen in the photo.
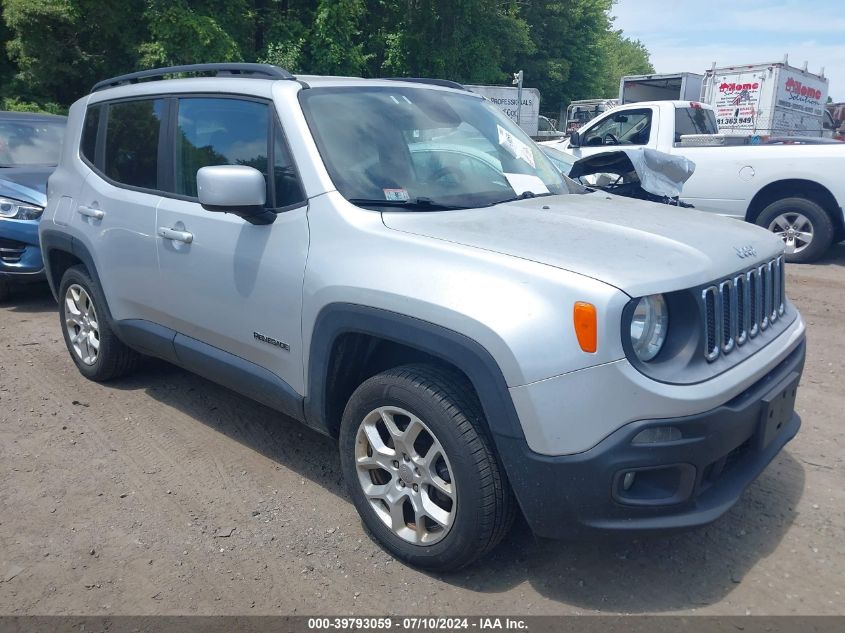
(420, 469)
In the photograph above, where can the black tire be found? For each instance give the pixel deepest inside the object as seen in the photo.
(4, 291)
(484, 505)
(821, 224)
(113, 359)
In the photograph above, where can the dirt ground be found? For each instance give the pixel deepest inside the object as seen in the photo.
(166, 494)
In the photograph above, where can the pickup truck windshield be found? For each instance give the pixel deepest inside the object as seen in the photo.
(30, 143)
(433, 149)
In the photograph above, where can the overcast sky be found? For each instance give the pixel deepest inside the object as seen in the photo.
(689, 35)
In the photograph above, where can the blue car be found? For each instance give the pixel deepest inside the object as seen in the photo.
(29, 152)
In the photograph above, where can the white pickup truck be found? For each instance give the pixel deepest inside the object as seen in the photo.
(796, 191)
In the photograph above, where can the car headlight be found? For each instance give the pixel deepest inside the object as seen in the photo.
(18, 210)
(649, 325)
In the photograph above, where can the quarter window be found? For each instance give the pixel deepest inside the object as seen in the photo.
(219, 132)
(89, 133)
(132, 137)
(288, 189)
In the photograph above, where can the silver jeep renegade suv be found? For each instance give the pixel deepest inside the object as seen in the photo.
(396, 264)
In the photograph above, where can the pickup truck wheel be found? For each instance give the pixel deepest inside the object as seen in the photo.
(421, 470)
(806, 230)
(98, 353)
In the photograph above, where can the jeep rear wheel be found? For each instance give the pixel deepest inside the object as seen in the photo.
(420, 469)
(97, 352)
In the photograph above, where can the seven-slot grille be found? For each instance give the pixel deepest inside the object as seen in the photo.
(738, 309)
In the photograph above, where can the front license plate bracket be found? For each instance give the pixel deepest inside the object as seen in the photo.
(778, 408)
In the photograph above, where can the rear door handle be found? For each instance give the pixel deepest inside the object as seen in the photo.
(173, 234)
(97, 214)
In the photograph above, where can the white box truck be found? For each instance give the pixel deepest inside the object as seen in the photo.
(771, 99)
(665, 87)
(506, 98)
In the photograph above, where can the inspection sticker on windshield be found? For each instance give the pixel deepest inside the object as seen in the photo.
(515, 147)
(396, 195)
(521, 183)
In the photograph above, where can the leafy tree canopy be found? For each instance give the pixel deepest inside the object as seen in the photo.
(55, 50)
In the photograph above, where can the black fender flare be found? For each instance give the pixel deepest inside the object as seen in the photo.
(452, 347)
(52, 241)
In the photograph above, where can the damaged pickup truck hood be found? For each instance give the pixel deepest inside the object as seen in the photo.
(639, 247)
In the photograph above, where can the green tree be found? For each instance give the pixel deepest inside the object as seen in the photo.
(56, 49)
(61, 47)
(335, 46)
(568, 41)
(462, 40)
(621, 56)
(183, 32)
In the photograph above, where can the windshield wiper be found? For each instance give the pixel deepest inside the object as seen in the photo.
(418, 204)
(525, 195)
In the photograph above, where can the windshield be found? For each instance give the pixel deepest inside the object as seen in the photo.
(561, 160)
(27, 143)
(407, 146)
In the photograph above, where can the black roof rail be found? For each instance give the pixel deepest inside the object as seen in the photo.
(434, 82)
(252, 71)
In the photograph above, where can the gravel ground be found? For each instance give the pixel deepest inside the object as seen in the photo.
(166, 494)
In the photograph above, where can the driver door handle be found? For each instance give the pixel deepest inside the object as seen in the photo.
(177, 236)
(97, 214)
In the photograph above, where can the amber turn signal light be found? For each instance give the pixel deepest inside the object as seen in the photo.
(586, 326)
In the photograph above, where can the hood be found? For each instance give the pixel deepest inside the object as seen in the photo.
(27, 184)
(636, 246)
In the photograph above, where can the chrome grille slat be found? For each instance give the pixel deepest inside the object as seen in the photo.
(712, 329)
(741, 294)
(765, 301)
(738, 309)
(728, 316)
(753, 303)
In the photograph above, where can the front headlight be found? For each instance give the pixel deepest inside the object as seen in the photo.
(18, 210)
(649, 325)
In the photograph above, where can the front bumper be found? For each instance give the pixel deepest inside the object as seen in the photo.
(20, 253)
(681, 483)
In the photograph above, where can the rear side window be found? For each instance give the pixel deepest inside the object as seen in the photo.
(213, 131)
(88, 146)
(694, 121)
(132, 139)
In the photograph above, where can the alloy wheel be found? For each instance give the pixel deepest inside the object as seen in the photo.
(81, 323)
(405, 474)
(795, 229)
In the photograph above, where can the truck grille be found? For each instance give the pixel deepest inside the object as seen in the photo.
(741, 308)
(11, 251)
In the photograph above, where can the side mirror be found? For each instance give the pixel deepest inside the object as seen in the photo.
(575, 139)
(234, 189)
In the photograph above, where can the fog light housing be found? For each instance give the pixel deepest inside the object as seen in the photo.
(654, 485)
(657, 435)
